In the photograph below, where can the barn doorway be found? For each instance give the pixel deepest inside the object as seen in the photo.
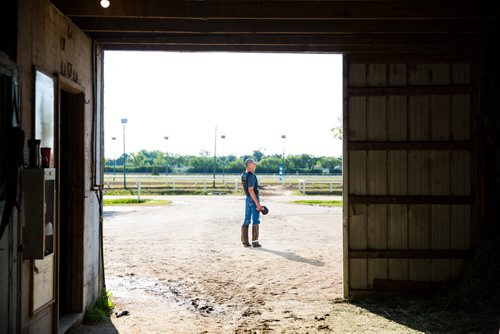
(184, 262)
(71, 179)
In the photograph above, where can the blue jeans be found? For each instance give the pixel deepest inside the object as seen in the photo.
(251, 212)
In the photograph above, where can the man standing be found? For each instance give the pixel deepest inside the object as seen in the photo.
(252, 204)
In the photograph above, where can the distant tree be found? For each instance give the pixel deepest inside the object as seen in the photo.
(337, 129)
(258, 154)
(138, 159)
(235, 166)
(270, 164)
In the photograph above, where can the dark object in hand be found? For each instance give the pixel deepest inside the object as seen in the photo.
(264, 210)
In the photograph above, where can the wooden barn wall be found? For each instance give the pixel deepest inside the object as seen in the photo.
(49, 40)
(410, 184)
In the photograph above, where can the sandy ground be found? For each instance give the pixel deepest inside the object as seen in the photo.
(182, 269)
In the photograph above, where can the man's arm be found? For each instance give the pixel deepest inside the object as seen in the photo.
(254, 198)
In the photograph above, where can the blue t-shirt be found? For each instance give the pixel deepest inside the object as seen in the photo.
(252, 182)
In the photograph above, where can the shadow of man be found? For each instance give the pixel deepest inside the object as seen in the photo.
(293, 257)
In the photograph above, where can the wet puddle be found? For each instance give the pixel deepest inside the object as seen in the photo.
(172, 291)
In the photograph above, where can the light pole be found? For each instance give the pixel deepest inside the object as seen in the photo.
(223, 159)
(114, 157)
(215, 157)
(283, 170)
(166, 157)
(124, 121)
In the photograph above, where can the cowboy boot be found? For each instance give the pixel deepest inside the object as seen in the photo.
(255, 236)
(244, 235)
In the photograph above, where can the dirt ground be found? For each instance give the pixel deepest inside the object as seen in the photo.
(181, 268)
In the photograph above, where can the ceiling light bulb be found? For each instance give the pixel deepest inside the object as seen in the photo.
(104, 3)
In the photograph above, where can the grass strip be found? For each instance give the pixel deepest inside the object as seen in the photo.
(134, 201)
(329, 203)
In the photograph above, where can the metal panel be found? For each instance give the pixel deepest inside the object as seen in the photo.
(409, 155)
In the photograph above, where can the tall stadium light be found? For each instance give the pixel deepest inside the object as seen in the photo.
(223, 159)
(215, 157)
(283, 170)
(114, 157)
(124, 121)
(166, 156)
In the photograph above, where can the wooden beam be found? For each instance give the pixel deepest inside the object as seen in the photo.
(284, 26)
(463, 42)
(410, 90)
(146, 45)
(410, 254)
(281, 9)
(380, 199)
(411, 146)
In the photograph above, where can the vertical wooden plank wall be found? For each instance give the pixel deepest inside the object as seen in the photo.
(409, 171)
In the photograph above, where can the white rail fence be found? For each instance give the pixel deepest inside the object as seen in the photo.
(313, 184)
(304, 184)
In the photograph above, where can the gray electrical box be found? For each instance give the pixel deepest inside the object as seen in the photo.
(38, 205)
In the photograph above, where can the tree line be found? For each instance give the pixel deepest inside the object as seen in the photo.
(157, 162)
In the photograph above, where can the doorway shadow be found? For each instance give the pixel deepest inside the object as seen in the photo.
(435, 314)
(292, 257)
(104, 327)
(471, 305)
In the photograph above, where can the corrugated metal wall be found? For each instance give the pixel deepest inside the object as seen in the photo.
(408, 181)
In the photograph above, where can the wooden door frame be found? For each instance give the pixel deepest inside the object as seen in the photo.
(72, 88)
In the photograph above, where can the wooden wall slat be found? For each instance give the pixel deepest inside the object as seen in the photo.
(397, 269)
(357, 119)
(377, 269)
(397, 75)
(418, 118)
(419, 227)
(409, 254)
(358, 274)
(357, 173)
(411, 146)
(377, 227)
(460, 117)
(440, 239)
(439, 173)
(460, 173)
(419, 74)
(377, 172)
(440, 74)
(413, 199)
(376, 114)
(440, 228)
(460, 227)
(418, 173)
(461, 74)
(357, 75)
(358, 238)
(411, 90)
(440, 118)
(376, 75)
(397, 172)
(397, 118)
(398, 227)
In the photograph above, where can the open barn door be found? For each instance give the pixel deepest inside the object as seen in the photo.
(408, 162)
